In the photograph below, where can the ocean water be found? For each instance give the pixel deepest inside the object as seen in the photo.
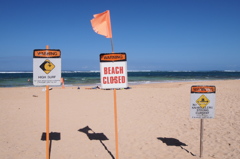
(78, 78)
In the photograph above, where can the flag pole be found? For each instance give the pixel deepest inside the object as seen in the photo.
(112, 45)
(115, 101)
(97, 24)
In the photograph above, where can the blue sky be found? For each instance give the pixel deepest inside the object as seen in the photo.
(165, 35)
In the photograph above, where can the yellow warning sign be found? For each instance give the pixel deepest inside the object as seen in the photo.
(202, 101)
(47, 66)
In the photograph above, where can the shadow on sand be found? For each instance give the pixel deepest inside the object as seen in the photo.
(96, 136)
(174, 142)
(52, 136)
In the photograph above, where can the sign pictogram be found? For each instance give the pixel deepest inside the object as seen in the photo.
(202, 101)
(47, 66)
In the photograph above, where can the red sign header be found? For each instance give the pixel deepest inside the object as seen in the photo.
(203, 89)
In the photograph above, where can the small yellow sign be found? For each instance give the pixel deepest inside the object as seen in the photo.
(203, 101)
(47, 66)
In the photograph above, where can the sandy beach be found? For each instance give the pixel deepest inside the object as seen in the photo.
(82, 122)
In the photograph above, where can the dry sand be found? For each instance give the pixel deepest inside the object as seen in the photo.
(146, 113)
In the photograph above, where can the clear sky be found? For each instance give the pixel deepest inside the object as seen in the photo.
(164, 35)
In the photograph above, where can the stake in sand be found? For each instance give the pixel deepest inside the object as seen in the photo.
(113, 70)
(113, 66)
(46, 71)
(202, 106)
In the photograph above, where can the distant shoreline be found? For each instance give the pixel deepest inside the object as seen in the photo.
(97, 71)
(24, 79)
(129, 84)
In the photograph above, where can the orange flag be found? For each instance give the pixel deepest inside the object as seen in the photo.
(101, 24)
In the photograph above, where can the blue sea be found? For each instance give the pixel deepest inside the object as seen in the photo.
(92, 78)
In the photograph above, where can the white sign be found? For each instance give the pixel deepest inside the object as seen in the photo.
(202, 102)
(46, 67)
(113, 69)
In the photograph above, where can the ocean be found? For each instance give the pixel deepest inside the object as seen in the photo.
(92, 78)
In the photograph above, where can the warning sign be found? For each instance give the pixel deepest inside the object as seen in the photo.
(202, 102)
(113, 69)
(46, 67)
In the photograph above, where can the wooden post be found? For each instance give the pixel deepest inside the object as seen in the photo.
(115, 112)
(201, 137)
(47, 122)
(116, 121)
(47, 119)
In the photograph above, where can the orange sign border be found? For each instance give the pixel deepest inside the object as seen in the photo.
(113, 57)
(203, 89)
(46, 53)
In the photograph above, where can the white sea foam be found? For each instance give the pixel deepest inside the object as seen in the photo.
(15, 72)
